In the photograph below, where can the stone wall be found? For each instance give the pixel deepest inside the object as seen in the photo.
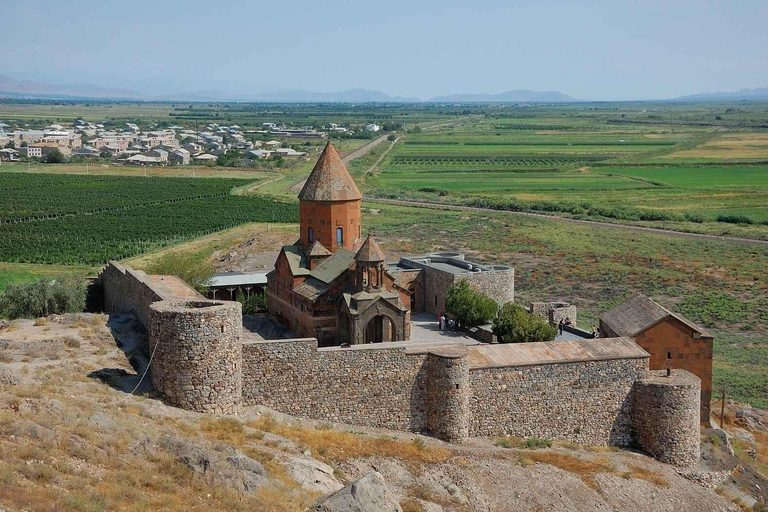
(127, 291)
(582, 402)
(666, 416)
(554, 311)
(497, 284)
(374, 385)
(197, 354)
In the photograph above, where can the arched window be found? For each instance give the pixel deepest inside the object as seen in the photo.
(310, 235)
(339, 236)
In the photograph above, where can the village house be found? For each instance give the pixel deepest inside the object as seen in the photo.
(179, 157)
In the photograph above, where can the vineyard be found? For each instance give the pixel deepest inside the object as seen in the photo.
(90, 220)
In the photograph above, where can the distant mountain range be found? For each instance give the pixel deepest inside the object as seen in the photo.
(759, 94)
(509, 96)
(31, 89)
(12, 88)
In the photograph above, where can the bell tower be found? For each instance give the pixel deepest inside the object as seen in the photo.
(329, 205)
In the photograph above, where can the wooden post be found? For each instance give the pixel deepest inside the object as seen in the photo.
(722, 409)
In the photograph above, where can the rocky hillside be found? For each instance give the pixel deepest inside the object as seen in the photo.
(72, 437)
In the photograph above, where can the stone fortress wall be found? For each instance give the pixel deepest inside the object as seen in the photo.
(592, 392)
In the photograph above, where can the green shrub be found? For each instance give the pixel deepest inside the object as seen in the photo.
(254, 303)
(515, 325)
(469, 307)
(65, 294)
(735, 219)
(534, 443)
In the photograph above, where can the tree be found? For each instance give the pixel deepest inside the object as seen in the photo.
(391, 138)
(195, 269)
(11, 145)
(54, 157)
(47, 296)
(515, 325)
(469, 307)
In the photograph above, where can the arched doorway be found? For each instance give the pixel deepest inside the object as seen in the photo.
(417, 297)
(379, 329)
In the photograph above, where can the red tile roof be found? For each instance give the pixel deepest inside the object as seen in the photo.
(329, 180)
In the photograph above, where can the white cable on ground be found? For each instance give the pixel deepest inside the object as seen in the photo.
(149, 363)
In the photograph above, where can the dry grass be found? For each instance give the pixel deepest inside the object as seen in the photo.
(638, 473)
(41, 321)
(584, 468)
(409, 505)
(335, 446)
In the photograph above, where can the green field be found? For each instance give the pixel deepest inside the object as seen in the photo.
(64, 219)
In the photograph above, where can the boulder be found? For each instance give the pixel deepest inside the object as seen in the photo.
(312, 474)
(725, 438)
(743, 436)
(100, 421)
(753, 419)
(367, 494)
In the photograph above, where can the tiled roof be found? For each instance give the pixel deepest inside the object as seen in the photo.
(296, 260)
(370, 251)
(638, 313)
(318, 249)
(333, 266)
(312, 288)
(329, 180)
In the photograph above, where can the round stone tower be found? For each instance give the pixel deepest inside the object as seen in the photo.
(666, 416)
(448, 393)
(197, 362)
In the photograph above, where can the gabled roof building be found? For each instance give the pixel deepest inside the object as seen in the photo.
(672, 340)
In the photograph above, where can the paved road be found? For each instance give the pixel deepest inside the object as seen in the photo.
(436, 206)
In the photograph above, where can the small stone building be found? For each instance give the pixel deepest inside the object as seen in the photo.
(672, 340)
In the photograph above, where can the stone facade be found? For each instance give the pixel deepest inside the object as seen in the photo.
(666, 416)
(582, 402)
(197, 354)
(127, 291)
(555, 311)
(379, 385)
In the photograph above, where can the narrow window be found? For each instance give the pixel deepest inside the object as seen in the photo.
(310, 235)
(669, 355)
(435, 300)
(339, 236)
(222, 329)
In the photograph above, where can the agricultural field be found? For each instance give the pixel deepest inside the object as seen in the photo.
(628, 164)
(86, 220)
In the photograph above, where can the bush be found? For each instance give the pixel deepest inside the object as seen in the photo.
(254, 303)
(735, 219)
(195, 269)
(43, 297)
(469, 307)
(515, 325)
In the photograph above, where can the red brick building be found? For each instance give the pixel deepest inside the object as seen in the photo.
(672, 340)
(331, 285)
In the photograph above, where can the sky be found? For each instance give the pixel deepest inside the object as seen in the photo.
(598, 50)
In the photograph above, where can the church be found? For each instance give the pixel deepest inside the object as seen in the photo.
(334, 285)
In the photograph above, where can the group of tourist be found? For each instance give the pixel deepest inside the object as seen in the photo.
(443, 323)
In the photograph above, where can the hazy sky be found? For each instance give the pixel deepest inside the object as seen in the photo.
(617, 49)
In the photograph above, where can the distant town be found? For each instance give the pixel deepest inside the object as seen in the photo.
(212, 144)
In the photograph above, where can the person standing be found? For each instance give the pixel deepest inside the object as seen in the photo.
(560, 326)
(442, 322)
